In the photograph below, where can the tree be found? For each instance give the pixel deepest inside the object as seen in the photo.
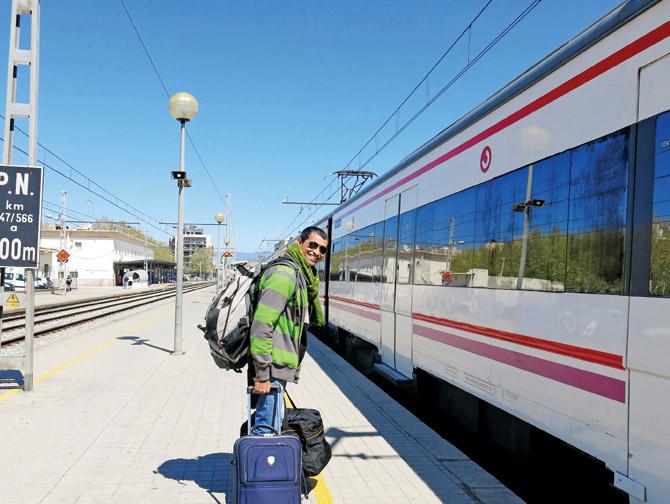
(163, 253)
(201, 262)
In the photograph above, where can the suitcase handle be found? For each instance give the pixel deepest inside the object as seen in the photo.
(266, 426)
(273, 386)
(276, 389)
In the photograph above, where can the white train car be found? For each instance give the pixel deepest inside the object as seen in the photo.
(523, 254)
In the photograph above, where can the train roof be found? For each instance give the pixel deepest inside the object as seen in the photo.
(600, 29)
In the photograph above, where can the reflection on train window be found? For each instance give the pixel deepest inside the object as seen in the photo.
(575, 204)
(598, 188)
(474, 238)
(405, 247)
(350, 261)
(660, 232)
(365, 238)
(390, 249)
(498, 231)
(378, 258)
(336, 261)
(321, 270)
(444, 240)
(545, 266)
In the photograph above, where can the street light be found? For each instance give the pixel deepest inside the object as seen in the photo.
(183, 107)
(219, 218)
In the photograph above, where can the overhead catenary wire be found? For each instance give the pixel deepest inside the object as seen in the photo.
(288, 228)
(444, 88)
(167, 93)
(424, 81)
(99, 195)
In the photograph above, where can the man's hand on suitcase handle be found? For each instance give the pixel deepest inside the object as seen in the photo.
(261, 387)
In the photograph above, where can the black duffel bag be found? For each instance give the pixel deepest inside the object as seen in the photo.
(307, 425)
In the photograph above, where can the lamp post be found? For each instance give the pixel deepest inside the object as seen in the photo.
(219, 218)
(183, 107)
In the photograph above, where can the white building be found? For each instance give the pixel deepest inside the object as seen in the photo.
(93, 254)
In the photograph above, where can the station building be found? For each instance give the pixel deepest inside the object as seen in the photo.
(95, 255)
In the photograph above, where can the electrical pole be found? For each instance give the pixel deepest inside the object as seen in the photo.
(27, 58)
(63, 241)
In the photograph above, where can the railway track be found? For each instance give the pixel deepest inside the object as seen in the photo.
(54, 318)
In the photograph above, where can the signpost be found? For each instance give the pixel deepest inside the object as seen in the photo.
(20, 204)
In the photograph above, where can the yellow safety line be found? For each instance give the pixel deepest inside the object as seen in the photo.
(83, 356)
(321, 491)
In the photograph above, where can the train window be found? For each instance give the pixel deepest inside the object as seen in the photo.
(378, 255)
(660, 235)
(444, 240)
(351, 266)
(406, 247)
(336, 261)
(390, 249)
(597, 210)
(321, 270)
(365, 239)
(498, 231)
(545, 264)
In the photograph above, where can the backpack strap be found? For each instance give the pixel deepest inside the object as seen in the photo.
(283, 261)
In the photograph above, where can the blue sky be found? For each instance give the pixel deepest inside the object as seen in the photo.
(288, 92)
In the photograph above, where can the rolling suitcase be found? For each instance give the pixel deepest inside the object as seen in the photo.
(267, 469)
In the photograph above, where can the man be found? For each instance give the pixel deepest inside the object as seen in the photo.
(288, 303)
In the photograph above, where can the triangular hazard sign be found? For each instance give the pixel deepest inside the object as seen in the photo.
(13, 301)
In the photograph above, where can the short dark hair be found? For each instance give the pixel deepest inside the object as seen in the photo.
(305, 233)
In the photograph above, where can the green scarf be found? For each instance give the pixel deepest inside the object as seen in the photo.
(312, 278)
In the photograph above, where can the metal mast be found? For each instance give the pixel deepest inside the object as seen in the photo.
(27, 58)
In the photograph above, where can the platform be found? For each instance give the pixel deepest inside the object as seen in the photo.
(115, 417)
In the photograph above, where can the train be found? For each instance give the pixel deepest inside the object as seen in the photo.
(522, 255)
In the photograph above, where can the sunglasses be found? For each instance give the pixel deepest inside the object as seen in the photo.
(313, 246)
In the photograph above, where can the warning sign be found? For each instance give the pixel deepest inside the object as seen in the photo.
(13, 301)
(227, 254)
(62, 256)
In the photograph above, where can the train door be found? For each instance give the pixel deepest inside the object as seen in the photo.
(396, 299)
(649, 309)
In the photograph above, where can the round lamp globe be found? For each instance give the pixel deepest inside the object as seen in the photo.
(183, 106)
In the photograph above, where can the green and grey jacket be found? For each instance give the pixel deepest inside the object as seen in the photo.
(278, 335)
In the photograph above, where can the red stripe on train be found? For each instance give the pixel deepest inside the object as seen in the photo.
(344, 306)
(586, 354)
(604, 386)
(361, 303)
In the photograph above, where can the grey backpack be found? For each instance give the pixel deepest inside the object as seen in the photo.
(229, 316)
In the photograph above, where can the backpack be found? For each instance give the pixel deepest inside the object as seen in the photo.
(229, 316)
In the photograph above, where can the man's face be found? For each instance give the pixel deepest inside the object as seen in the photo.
(314, 248)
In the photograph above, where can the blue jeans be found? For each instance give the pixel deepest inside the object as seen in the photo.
(270, 408)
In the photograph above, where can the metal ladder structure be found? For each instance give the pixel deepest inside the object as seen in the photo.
(29, 58)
